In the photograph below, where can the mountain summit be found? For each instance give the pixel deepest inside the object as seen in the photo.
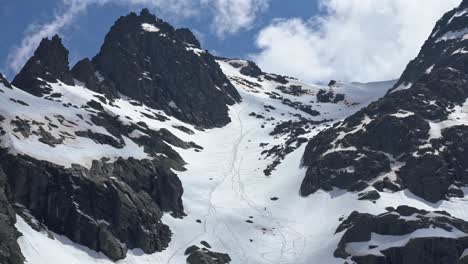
(148, 60)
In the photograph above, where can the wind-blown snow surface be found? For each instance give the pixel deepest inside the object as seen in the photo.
(225, 185)
(63, 117)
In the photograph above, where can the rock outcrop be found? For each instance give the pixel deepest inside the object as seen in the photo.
(205, 256)
(10, 252)
(414, 132)
(110, 207)
(425, 237)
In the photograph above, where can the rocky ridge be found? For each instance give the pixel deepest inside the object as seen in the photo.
(418, 236)
(410, 143)
(146, 59)
(413, 136)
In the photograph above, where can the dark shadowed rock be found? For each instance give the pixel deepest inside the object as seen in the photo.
(109, 207)
(191, 250)
(251, 69)
(49, 63)
(148, 60)
(208, 257)
(329, 96)
(185, 35)
(370, 195)
(342, 169)
(4, 81)
(246, 67)
(427, 176)
(10, 252)
(386, 185)
(204, 243)
(403, 221)
(85, 72)
(398, 126)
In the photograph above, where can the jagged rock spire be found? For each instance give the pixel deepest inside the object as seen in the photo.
(4, 81)
(49, 63)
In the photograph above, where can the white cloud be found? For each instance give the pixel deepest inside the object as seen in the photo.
(35, 33)
(358, 40)
(229, 16)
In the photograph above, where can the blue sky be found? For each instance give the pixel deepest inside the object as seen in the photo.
(315, 40)
(85, 35)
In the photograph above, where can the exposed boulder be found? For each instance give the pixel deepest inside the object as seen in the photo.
(246, 67)
(205, 256)
(370, 195)
(251, 69)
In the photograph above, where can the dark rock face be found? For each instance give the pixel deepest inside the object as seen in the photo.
(329, 96)
(401, 222)
(84, 71)
(50, 63)
(205, 256)
(4, 81)
(343, 169)
(164, 68)
(248, 68)
(427, 176)
(371, 195)
(108, 208)
(10, 252)
(185, 35)
(394, 133)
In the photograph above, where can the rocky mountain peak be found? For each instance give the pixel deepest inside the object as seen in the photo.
(48, 64)
(146, 13)
(146, 59)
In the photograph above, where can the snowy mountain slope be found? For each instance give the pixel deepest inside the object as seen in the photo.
(409, 143)
(210, 167)
(224, 185)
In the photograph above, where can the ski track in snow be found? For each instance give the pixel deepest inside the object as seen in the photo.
(224, 186)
